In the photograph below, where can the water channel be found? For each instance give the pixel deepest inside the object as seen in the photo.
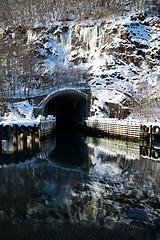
(77, 187)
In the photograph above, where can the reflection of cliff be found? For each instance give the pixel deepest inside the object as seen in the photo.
(37, 190)
(44, 200)
(127, 181)
(41, 198)
(17, 191)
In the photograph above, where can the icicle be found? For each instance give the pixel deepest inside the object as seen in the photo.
(31, 36)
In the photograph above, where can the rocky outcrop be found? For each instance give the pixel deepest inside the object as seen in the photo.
(113, 53)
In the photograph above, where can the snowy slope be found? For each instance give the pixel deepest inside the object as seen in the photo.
(21, 114)
(119, 58)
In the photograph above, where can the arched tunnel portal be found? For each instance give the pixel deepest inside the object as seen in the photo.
(68, 106)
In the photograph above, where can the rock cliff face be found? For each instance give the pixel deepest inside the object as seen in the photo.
(119, 58)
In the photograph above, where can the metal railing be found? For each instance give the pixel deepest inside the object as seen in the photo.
(114, 126)
(46, 127)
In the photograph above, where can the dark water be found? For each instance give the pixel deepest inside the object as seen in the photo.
(76, 187)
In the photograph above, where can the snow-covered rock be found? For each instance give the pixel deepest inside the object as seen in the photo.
(119, 58)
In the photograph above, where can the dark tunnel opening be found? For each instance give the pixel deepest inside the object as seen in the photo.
(68, 108)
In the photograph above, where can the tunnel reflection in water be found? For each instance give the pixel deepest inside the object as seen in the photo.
(70, 151)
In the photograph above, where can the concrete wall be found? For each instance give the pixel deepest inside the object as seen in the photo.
(74, 97)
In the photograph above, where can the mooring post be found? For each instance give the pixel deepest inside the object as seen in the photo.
(15, 137)
(32, 139)
(1, 129)
(23, 141)
(32, 135)
(151, 136)
(151, 140)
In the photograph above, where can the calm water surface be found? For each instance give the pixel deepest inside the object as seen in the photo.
(77, 187)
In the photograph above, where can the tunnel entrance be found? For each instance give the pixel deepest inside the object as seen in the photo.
(69, 108)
